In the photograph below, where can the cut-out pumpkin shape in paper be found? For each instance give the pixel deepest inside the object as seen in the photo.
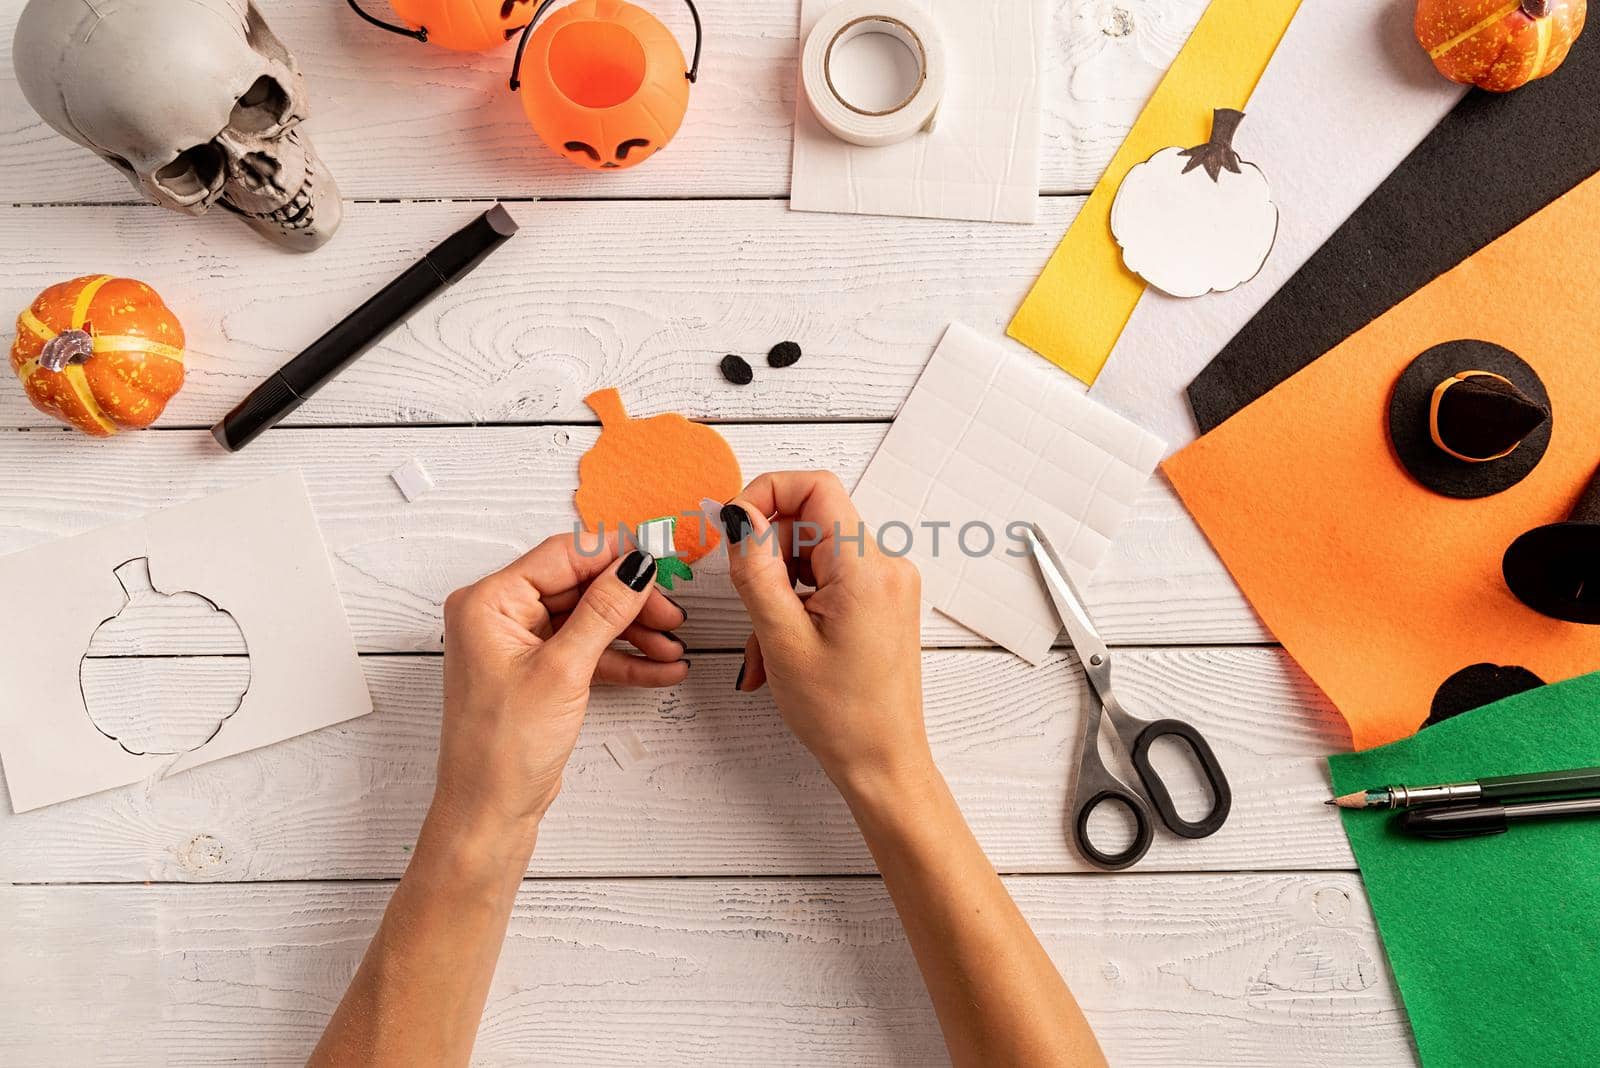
(641, 470)
(143, 718)
(459, 25)
(1199, 220)
(99, 353)
(603, 82)
(1498, 45)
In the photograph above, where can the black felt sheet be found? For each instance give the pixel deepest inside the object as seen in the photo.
(1492, 162)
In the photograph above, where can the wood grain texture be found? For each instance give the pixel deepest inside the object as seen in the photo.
(501, 490)
(394, 118)
(725, 789)
(647, 297)
(1203, 970)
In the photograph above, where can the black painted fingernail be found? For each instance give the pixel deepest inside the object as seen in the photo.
(675, 638)
(685, 661)
(638, 570)
(738, 683)
(735, 522)
(678, 606)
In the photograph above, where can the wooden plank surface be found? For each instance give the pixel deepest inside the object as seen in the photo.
(647, 297)
(500, 490)
(1226, 970)
(395, 118)
(725, 789)
(771, 942)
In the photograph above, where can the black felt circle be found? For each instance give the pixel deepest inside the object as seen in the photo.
(1408, 421)
(783, 354)
(1555, 570)
(735, 370)
(1477, 685)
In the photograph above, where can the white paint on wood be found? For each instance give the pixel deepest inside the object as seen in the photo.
(1223, 970)
(647, 297)
(724, 789)
(500, 491)
(392, 117)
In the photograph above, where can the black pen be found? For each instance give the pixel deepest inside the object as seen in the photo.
(1488, 817)
(290, 386)
(1565, 783)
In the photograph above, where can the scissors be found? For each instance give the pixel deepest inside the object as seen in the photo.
(1134, 737)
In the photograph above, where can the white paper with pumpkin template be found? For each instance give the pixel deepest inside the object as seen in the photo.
(254, 552)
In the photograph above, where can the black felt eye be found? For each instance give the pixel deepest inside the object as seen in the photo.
(629, 145)
(579, 146)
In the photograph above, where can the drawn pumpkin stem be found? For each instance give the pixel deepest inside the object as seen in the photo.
(1217, 154)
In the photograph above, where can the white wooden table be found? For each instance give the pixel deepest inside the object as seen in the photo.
(712, 905)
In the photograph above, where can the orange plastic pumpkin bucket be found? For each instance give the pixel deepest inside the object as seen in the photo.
(603, 82)
(461, 25)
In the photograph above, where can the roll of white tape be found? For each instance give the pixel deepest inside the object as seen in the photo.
(912, 26)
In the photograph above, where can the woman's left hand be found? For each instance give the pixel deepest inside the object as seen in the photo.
(521, 648)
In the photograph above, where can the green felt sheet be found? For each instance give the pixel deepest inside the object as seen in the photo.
(1495, 941)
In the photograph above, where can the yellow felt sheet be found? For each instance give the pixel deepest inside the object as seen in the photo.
(1080, 303)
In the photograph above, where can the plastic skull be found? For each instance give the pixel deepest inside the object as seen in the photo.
(196, 102)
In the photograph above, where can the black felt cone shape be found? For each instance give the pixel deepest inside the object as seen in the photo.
(1482, 417)
(1555, 569)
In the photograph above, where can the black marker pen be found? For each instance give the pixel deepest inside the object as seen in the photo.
(291, 385)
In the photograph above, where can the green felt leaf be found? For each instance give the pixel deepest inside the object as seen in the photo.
(1492, 940)
(670, 567)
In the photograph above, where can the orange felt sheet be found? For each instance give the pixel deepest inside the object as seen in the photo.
(1379, 588)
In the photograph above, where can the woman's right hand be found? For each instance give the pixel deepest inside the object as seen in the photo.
(845, 662)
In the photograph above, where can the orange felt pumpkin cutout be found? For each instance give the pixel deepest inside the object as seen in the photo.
(645, 469)
(460, 25)
(1498, 45)
(603, 82)
(99, 353)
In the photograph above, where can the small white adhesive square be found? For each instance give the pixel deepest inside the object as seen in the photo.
(413, 479)
(627, 749)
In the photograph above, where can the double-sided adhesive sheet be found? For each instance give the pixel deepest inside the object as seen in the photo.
(1380, 588)
(1082, 300)
(1310, 126)
(1491, 940)
(1493, 161)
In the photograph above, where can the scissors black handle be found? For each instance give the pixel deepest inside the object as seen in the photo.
(1161, 797)
(1143, 833)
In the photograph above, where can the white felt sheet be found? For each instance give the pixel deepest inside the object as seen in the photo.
(1001, 438)
(254, 552)
(981, 159)
(1347, 96)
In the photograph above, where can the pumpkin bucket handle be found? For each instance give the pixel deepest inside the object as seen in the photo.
(420, 33)
(693, 73)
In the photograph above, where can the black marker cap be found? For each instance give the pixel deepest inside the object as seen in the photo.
(458, 254)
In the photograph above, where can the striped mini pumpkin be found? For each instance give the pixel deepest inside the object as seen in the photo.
(99, 353)
(1498, 45)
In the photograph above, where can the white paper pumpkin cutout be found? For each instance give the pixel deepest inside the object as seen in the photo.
(1196, 220)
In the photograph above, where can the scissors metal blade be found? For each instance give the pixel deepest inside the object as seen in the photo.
(1069, 604)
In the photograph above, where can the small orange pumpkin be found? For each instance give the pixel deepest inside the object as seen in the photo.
(1498, 45)
(645, 469)
(460, 25)
(99, 353)
(603, 82)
